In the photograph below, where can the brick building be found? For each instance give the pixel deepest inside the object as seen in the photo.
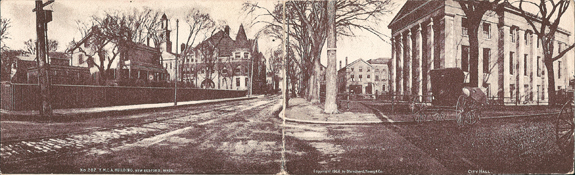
(430, 34)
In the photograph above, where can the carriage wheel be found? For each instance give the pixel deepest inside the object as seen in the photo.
(413, 105)
(472, 117)
(460, 110)
(440, 116)
(419, 118)
(564, 128)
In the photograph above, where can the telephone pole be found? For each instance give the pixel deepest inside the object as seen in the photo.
(42, 19)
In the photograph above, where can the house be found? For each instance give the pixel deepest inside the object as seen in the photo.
(136, 64)
(430, 35)
(364, 77)
(221, 62)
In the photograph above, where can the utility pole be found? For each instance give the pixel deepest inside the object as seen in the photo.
(331, 72)
(42, 19)
(176, 80)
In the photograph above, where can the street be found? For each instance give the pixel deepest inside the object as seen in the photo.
(246, 137)
(196, 139)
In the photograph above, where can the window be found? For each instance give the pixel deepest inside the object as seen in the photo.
(81, 59)
(237, 55)
(383, 88)
(486, 58)
(368, 76)
(464, 26)
(376, 78)
(538, 66)
(246, 82)
(465, 58)
(352, 77)
(352, 69)
(543, 93)
(512, 34)
(360, 69)
(368, 69)
(537, 42)
(487, 30)
(246, 55)
(525, 64)
(558, 69)
(525, 37)
(511, 90)
(511, 63)
(237, 82)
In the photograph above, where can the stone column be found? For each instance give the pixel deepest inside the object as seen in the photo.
(521, 62)
(408, 64)
(418, 59)
(393, 64)
(450, 50)
(399, 71)
(430, 57)
(505, 43)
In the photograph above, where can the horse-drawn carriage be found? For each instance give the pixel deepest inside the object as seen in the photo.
(450, 95)
(564, 123)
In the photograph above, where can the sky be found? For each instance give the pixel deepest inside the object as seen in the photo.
(66, 12)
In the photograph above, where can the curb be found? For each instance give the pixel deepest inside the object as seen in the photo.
(378, 113)
(326, 122)
(88, 115)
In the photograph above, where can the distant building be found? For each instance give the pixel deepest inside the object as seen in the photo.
(365, 77)
(24, 70)
(431, 35)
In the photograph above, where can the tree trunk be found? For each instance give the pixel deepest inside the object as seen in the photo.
(473, 56)
(316, 81)
(551, 81)
(331, 73)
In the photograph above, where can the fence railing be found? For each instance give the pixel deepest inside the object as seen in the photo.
(19, 97)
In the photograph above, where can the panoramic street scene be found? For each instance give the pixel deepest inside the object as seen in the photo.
(287, 87)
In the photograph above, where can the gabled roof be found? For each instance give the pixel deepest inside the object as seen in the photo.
(379, 61)
(354, 62)
(413, 10)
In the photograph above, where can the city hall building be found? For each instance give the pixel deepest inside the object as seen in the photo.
(430, 35)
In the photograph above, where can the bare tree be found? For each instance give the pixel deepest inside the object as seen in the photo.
(474, 11)
(4, 26)
(121, 31)
(30, 46)
(199, 23)
(307, 21)
(545, 25)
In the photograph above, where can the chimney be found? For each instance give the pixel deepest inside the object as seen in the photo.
(339, 64)
(227, 30)
(346, 61)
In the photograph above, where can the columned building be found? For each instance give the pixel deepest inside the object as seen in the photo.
(431, 35)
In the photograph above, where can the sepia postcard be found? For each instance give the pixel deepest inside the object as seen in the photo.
(287, 86)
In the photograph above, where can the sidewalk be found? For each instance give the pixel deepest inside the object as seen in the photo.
(91, 112)
(300, 110)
